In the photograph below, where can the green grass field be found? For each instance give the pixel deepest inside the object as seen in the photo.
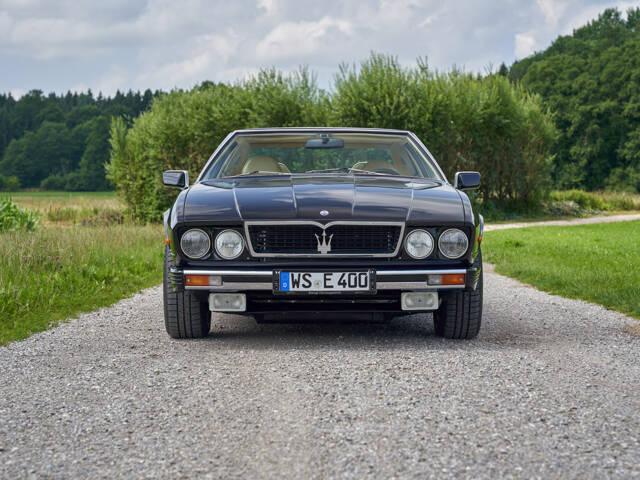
(73, 262)
(599, 263)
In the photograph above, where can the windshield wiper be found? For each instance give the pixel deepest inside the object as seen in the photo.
(346, 170)
(257, 172)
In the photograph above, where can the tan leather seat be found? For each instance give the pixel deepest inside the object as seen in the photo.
(263, 164)
(401, 161)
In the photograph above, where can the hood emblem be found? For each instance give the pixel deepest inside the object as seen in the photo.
(324, 247)
(324, 213)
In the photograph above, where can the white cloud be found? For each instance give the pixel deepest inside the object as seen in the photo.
(122, 44)
(552, 10)
(207, 55)
(295, 39)
(525, 45)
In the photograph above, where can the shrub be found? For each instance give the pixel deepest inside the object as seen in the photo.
(598, 201)
(14, 218)
(9, 184)
(53, 182)
(565, 208)
(180, 132)
(580, 197)
(469, 123)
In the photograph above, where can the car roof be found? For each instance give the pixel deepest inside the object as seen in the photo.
(386, 131)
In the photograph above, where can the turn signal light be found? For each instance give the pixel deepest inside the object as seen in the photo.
(453, 279)
(447, 279)
(191, 280)
(196, 280)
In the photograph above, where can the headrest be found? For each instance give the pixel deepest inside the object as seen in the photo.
(261, 163)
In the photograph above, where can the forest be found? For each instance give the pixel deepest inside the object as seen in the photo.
(61, 142)
(590, 80)
(566, 117)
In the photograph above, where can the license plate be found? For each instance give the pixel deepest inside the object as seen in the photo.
(324, 282)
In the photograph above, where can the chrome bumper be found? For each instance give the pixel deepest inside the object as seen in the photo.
(243, 280)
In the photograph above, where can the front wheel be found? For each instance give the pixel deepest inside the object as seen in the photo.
(460, 313)
(185, 316)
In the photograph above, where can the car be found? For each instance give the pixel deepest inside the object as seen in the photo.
(322, 223)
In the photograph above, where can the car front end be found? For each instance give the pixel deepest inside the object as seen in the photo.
(321, 242)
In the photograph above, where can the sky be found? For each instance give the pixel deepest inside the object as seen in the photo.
(61, 45)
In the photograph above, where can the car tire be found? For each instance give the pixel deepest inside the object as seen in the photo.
(185, 316)
(460, 313)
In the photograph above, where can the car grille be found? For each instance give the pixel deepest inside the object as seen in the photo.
(306, 238)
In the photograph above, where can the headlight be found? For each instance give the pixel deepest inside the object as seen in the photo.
(419, 244)
(229, 244)
(195, 243)
(453, 243)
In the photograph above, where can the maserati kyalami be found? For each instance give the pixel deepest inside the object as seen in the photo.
(322, 222)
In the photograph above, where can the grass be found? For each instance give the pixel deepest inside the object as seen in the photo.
(57, 272)
(74, 208)
(599, 263)
(565, 204)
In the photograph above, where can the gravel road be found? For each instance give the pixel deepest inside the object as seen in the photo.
(550, 389)
(627, 217)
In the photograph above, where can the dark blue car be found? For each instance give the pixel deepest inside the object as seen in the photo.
(322, 222)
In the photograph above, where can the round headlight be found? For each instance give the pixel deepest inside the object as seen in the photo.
(195, 243)
(229, 244)
(453, 243)
(419, 244)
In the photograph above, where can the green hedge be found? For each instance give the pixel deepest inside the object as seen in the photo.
(469, 122)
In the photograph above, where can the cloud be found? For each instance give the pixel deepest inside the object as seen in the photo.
(122, 44)
(297, 39)
(525, 45)
(208, 54)
(552, 10)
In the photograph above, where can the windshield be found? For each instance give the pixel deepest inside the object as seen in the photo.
(296, 154)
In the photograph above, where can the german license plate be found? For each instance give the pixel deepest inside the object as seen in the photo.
(324, 282)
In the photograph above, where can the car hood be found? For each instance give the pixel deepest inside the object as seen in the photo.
(344, 197)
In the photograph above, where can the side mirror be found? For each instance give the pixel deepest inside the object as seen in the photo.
(175, 178)
(466, 180)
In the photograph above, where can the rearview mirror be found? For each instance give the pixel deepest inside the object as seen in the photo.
(466, 180)
(175, 178)
(325, 142)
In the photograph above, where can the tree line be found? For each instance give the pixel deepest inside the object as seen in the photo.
(591, 81)
(61, 142)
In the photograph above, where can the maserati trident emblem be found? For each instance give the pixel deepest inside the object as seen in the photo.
(324, 247)
(324, 213)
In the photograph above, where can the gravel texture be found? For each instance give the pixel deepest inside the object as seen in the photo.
(550, 389)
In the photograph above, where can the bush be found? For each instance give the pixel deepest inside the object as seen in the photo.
(9, 184)
(469, 123)
(580, 197)
(53, 182)
(14, 218)
(565, 208)
(598, 201)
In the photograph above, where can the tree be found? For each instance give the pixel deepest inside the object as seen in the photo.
(591, 80)
(95, 156)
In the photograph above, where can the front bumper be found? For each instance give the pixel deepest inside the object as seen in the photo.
(257, 285)
(244, 280)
